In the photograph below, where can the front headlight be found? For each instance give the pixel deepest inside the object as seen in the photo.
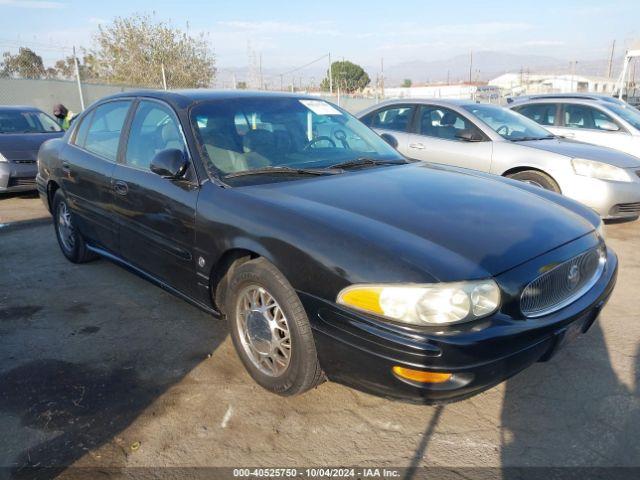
(3, 158)
(426, 304)
(602, 171)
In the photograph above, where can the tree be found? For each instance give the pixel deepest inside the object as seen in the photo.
(25, 64)
(347, 76)
(241, 85)
(133, 50)
(406, 83)
(87, 65)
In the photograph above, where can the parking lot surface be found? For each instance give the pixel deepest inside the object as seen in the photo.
(99, 368)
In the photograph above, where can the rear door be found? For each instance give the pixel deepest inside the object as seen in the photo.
(436, 139)
(156, 215)
(393, 120)
(88, 161)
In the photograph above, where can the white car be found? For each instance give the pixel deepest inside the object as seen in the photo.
(596, 119)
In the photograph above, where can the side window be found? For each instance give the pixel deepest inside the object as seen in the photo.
(584, 116)
(81, 133)
(394, 118)
(154, 128)
(103, 135)
(542, 113)
(443, 123)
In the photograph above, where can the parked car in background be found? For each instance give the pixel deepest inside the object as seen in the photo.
(493, 139)
(326, 250)
(22, 131)
(598, 119)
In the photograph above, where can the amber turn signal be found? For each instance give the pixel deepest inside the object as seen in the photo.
(420, 375)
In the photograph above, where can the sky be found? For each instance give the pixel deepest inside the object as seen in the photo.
(289, 34)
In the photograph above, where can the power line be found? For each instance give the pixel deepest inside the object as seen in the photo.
(305, 65)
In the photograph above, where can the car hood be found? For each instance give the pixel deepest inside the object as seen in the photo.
(24, 146)
(572, 148)
(461, 224)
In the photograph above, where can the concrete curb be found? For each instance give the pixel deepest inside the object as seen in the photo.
(35, 222)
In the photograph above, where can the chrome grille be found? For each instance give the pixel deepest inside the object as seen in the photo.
(563, 284)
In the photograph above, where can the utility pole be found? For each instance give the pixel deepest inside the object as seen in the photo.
(610, 69)
(470, 65)
(382, 78)
(75, 62)
(260, 67)
(330, 76)
(164, 76)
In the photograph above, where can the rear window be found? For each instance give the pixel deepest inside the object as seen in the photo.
(100, 133)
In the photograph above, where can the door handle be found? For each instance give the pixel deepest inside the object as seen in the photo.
(66, 168)
(120, 187)
(569, 135)
(419, 146)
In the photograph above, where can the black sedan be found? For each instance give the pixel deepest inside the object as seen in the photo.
(22, 131)
(329, 254)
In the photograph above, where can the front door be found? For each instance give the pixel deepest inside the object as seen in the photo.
(88, 163)
(440, 138)
(592, 125)
(156, 215)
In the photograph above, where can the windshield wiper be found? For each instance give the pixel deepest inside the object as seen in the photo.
(526, 139)
(360, 161)
(281, 169)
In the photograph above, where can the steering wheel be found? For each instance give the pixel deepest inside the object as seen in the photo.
(505, 128)
(340, 135)
(313, 141)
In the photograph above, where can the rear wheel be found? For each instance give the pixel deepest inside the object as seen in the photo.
(69, 238)
(270, 329)
(536, 178)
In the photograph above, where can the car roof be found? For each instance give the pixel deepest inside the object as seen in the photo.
(586, 97)
(19, 108)
(442, 102)
(186, 97)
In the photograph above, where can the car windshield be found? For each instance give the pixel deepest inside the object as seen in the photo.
(26, 121)
(508, 124)
(628, 113)
(261, 134)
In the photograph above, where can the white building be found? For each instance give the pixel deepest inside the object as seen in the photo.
(458, 91)
(522, 83)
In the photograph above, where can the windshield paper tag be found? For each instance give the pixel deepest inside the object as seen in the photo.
(320, 108)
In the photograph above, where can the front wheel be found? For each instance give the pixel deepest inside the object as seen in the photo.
(69, 238)
(270, 329)
(537, 179)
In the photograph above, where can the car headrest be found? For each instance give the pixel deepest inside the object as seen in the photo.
(576, 117)
(448, 119)
(169, 133)
(260, 141)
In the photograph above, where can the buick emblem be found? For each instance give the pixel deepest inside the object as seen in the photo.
(573, 277)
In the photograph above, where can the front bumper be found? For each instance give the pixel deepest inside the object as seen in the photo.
(17, 177)
(360, 351)
(612, 200)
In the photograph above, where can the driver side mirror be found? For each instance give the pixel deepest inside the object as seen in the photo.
(169, 163)
(390, 139)
(470, 136)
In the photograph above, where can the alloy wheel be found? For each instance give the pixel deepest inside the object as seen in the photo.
(263, 330)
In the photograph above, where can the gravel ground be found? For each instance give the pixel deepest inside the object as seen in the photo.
(99, 368)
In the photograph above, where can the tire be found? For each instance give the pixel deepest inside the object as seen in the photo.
(537, 178)
(255, 328)
(71, 243)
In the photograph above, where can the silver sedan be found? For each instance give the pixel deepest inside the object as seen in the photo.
(499, 141)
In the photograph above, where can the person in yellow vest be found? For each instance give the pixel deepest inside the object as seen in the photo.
(63, 115)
